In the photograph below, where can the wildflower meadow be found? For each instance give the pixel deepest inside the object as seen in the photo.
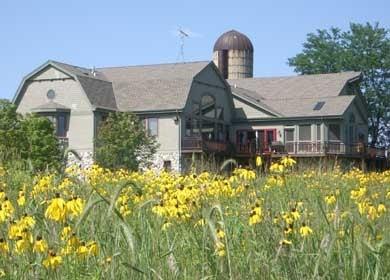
(285, 224)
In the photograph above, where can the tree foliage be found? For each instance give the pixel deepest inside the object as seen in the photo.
(41, 144)
(27, 139)
(365, 48)
(122, 142)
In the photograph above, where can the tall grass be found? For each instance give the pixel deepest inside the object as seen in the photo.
(345, 244)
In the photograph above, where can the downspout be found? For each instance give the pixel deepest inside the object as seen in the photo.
(180, 163)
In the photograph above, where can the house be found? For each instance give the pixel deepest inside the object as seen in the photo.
(212, 107)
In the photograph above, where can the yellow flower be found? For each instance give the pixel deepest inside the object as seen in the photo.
(56, 210)
(295, 214)
(381, 208)
(256, 215)
(305, 230)
(21, 245)
(259, 161)
(21, 199)
(330, 199)
(82, 250)
(65, 233)
(40, 245)
(285, 242)
(220, 249)
(287, 161)
(220, 233)
(4, 248)
(93, 248)
(75, 206)
(52, 261)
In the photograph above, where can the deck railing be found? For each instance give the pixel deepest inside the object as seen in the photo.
(309, 148)
(199, 144)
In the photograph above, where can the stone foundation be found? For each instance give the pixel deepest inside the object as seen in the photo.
(86, 160)
(161, 157)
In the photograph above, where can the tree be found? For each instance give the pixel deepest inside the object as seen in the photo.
(27, 139)
(11, 133)
(122, 142)
(41, 144)
(364, 48)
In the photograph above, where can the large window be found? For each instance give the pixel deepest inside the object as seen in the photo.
(208, 107)
(305, 132)
(152, 126)
(206, 120)
(334, 132)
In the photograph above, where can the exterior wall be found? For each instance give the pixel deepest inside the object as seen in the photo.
(67, 93)
(168, 137)
(209, 82)
(247, 111)
(240, 63)
(360, 126)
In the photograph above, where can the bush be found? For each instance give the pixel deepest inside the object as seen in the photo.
(28, 139)
(41, 144)
(122, 142)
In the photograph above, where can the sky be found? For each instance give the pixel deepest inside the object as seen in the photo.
(118, 33)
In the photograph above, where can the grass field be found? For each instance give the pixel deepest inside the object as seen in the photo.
(97, 224)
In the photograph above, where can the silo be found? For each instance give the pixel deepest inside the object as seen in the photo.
(233, 54)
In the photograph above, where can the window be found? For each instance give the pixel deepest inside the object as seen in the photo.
(334, 132)
(208, 107)
(61, 126)
(305, 132)
(195, 109)
(167, 165)
(319, 106)
(289, 135)
(60, 122)
(318, 132)
(188, 125)
(208, 130)
(152, 126)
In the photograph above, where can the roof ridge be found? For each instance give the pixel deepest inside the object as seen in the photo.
(295, 76)
(155, 64)
(307, 97)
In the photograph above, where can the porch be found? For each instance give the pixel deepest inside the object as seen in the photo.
(197, 144)
(310, 149)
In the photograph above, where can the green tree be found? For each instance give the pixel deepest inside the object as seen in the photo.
(365, 48)
(122, 142)
(41, 145)
(11, 133)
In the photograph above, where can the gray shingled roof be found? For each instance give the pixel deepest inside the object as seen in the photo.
(297, 86)
(166, 87)
(303, 107)
(296, 96)
(152, 87)
(98, 90)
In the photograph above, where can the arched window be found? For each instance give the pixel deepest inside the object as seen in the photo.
(208, 108)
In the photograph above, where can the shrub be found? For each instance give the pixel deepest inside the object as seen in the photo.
(27, 139)
(122, 142)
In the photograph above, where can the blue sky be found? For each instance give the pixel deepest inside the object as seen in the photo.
(114, 33)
